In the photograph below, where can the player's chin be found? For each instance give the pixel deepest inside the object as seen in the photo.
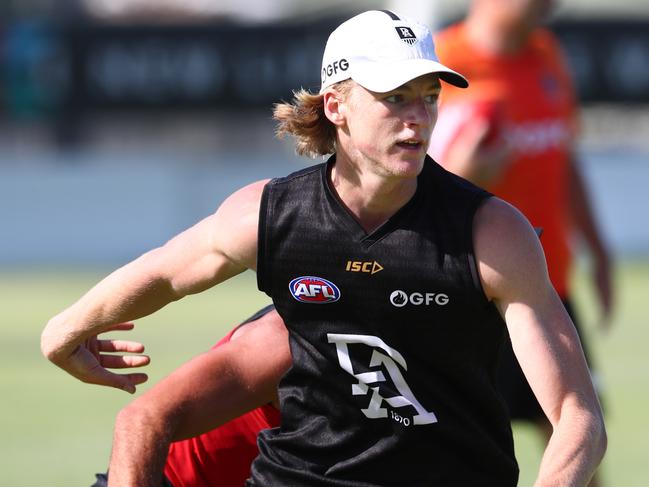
(408, 167)
(409, 162)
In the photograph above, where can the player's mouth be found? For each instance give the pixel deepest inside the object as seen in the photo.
(411, 144)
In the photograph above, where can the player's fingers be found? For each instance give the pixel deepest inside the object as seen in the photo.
(137, 379)
(128, 382)
(124, 361)
(120, 346)
(121, 327)
(101, 376)
(92, 345)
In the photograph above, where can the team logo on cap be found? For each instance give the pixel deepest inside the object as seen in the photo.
(311, 289)
(406, 35)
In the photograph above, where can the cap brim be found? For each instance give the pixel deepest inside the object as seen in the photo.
(384, 77)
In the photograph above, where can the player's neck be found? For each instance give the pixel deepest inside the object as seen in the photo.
(371, 199)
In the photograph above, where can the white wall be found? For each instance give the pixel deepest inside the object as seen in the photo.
(103, 209)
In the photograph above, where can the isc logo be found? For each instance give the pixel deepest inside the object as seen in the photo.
(367, 267)
(311, 289)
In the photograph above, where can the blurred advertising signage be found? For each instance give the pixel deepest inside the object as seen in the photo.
(104, 67)
(220, 66)
(609, 59)
(77, 68)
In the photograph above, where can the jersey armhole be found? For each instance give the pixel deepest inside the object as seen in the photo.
(262, 240)
(480, 200)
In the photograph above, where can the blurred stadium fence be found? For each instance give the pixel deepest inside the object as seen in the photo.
(65, 70)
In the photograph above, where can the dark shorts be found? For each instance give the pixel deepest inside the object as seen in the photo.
(518, 395)
(102, 481)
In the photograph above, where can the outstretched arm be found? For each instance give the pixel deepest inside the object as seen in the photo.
(514, 275)
(206, 392)
(215, 249)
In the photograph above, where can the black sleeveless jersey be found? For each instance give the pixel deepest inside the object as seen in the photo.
(394, 343)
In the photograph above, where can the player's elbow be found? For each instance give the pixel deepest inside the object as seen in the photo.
(47, 349)
(593, 435)
(143, 418)
(51, 340)
(129, 416)
(599, 437)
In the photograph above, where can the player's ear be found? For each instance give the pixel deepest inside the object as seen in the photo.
(334, 106)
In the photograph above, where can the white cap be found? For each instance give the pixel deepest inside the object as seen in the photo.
(382, 51)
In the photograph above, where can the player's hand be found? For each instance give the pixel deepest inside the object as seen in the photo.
(482, 155)
(90, 361)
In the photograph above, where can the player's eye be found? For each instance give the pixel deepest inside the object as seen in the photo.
(432, 99)
(395, 98)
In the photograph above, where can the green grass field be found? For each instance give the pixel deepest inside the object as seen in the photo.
(57, 432)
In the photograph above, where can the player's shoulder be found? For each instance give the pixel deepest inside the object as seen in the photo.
(238, 217)
(508, 252)
(501, 228)
(496, 212)
(245, 197)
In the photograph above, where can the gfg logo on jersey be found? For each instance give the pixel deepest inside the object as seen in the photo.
(311, 289)
(400, 298)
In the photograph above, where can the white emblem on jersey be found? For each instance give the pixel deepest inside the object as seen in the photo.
(390, 359)
(399, 299)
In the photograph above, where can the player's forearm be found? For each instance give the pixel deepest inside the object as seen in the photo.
(140, 446)
(131, 292)
(574, 451)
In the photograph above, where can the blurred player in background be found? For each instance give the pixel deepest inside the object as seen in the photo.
(148, 431)
(513, 132)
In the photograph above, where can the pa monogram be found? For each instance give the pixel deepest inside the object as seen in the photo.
(369, 383)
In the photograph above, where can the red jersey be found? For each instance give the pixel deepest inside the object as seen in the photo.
(535, 96)
(221, 457)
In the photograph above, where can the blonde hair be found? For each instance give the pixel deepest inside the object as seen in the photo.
(304, 118)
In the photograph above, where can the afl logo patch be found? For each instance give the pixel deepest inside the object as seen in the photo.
(311, 289)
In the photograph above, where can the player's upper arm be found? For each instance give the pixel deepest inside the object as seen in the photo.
(510, 258)
(513, 271)
(219, 247)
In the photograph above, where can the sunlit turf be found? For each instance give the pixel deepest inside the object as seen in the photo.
(57, 431)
